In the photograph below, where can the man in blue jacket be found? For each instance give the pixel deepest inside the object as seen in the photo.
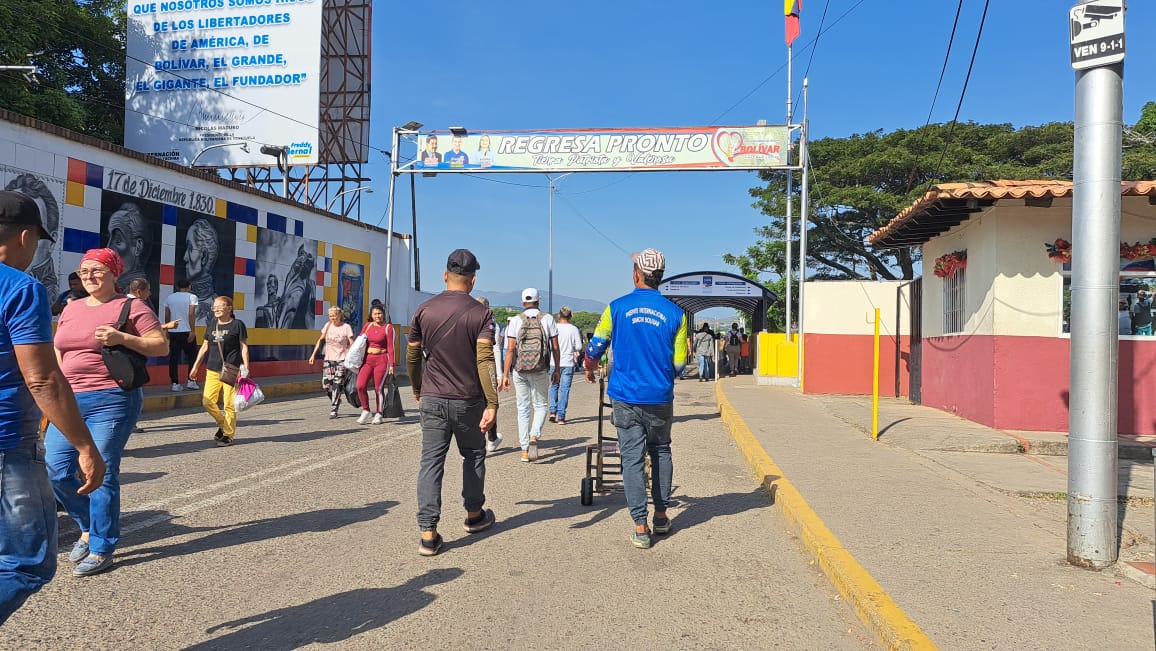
(648, 333)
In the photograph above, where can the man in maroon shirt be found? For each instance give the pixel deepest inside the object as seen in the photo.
(457, 394)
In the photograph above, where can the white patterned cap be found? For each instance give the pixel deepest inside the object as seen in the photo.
(649, 260)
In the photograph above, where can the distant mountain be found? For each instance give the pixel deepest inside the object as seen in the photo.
(514, 299)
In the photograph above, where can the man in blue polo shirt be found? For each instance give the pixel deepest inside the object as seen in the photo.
(648, 333)
(30, 381)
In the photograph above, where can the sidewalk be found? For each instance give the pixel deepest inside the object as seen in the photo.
(963, 531)
(161, 397)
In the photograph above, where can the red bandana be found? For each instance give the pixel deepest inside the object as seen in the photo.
(108, 258)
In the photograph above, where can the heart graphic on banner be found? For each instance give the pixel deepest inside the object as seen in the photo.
(726, 143)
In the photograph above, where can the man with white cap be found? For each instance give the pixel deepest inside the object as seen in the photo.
(531, 344)
(648, 333)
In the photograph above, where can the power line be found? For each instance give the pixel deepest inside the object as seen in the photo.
(780, 68)
(946, 56)
(818, 33)
(591, 225)
(963, 92)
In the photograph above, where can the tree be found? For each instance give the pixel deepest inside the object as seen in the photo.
(858, 184)
(585, 321)
(77, 47)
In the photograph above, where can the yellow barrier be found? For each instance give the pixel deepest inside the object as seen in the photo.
(777, 356)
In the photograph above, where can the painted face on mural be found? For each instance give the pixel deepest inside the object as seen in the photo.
(200, 250)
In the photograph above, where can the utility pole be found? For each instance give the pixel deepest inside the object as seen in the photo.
(1097, 49)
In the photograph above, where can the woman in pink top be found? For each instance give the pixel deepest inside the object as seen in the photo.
(110, 412)
(337, 335)
(378, 365)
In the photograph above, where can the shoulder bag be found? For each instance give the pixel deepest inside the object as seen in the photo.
(229, 372)
(128, 368)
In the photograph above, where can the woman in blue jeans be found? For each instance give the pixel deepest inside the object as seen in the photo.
(110, 412)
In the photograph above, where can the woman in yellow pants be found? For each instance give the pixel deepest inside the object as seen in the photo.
(225, 340)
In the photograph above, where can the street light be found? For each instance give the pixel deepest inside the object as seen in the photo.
(282, 156)
(360, 188)
(550, 294)
(243, 145)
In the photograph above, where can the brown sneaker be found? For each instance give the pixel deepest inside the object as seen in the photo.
(525, 457)
(224, 441)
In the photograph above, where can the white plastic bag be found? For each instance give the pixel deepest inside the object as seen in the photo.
(248, 393)
(356, 355)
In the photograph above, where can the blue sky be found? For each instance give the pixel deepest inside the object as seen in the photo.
(545, 65)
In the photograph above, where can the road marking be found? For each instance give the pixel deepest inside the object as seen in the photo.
(876, 608)
(365, 448)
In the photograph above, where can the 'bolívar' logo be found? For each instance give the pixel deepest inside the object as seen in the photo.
(729, 145)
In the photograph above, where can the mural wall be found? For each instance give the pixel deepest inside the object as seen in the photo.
(283, 265)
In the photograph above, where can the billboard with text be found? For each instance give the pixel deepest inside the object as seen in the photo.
(214, 72)
(605, 150)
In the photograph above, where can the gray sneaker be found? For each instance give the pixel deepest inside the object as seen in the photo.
(79, 551)
(93, 564)
(640, 540)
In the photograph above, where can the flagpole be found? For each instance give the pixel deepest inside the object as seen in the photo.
(790, 192)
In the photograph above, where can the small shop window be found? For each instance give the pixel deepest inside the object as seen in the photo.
(953, 296)
(1137, 283)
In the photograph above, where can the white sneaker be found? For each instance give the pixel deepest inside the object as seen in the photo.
(494, 444)
(377, 419)
(363, 418)
(192, 384)
(177, 387)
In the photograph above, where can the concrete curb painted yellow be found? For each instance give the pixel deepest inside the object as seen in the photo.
(878, 611)
(192, 399)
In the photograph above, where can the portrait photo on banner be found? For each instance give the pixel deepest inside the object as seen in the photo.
(205, 255)
(132, 227)
(48, 193)
(286, 287)
(351, 292)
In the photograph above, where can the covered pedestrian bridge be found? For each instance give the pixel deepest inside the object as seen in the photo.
(697, 291)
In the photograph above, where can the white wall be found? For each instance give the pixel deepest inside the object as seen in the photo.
(976, 236)
(1012, 287)
(847, 307)
(88, 181)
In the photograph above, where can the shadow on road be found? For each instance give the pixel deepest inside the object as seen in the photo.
(687, 511)
(133, 477)
(186, 447)
(691, 512)
(256, 531)
(330, 619)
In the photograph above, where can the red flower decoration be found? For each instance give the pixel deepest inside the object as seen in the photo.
(1060, 251)
(947, 265)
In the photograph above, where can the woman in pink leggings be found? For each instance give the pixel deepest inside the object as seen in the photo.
(378, 365)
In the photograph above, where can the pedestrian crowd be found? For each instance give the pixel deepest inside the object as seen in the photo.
(72, 399)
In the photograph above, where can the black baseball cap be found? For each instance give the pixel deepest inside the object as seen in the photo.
(18, 208)
(462, 262)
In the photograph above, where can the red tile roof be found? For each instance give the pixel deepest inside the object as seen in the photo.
(989, 192)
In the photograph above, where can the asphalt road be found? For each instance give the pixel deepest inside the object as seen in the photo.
(304, 534)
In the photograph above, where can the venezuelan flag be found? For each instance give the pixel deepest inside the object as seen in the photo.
(791, 11)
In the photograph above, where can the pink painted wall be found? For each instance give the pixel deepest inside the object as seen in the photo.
(957, 376)
(843, 364)
(1022, 383)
